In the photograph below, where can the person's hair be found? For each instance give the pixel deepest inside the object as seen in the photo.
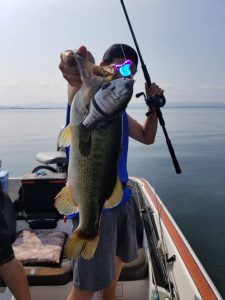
(120, 51)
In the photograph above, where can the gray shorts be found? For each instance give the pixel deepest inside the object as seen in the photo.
(117, 238)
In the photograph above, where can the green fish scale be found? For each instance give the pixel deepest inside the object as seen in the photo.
(93, 177)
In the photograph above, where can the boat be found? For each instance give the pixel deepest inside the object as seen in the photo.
(166, 267)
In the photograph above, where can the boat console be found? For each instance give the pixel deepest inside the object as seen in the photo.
(53, 157)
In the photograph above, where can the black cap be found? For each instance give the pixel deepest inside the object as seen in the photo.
(120, 51)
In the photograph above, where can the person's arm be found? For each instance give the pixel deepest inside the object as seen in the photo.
(14, 277)
(145, 133)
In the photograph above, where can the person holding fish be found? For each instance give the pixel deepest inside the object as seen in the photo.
(98, 132)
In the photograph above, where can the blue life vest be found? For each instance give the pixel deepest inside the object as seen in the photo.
(122, 170)
(67, 123)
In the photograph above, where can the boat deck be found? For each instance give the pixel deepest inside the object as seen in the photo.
(160, 263)
(135, 272)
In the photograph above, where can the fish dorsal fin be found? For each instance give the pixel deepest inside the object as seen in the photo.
(64, 202)
(116, 196)
(65, 136)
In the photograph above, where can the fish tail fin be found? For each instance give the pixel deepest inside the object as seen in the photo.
(116, 195)
(80, 244)
(65, 136)
(64, 202)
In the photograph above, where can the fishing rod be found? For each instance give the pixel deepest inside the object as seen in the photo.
(153, 102)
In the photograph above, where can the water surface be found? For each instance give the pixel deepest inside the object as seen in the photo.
(195, 198)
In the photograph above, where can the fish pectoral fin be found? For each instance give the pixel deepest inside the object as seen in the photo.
(79, 244)
(64, 202)
(116, 196)
(84, 140)
(65, 136)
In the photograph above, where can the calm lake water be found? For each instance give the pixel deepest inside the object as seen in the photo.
(195, 198)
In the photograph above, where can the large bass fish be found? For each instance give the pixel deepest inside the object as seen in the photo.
(94, 135)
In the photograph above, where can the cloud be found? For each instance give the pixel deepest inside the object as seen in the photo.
(212, 87)
(167, 86)
(10, 85)
(48, 85)
(13, 86)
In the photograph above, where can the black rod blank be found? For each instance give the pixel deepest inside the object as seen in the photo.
(149, 100)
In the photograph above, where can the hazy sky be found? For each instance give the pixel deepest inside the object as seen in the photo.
(182, 43)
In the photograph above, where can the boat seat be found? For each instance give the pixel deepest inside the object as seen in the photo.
(42, 276)
(54, 157)
(60, 275)
(38, 275)
(40, 251)
(135, 270)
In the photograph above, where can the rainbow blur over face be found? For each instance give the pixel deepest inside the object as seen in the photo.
(124, 68)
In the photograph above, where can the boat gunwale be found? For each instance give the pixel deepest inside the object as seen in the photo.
(198, 274)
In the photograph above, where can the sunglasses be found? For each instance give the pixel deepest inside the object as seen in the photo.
(124, 68)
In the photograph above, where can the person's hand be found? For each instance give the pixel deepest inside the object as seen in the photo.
(153, 90)
(69, 67)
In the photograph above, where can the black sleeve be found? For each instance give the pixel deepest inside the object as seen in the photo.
(6, 250)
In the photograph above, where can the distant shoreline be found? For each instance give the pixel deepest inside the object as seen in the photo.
(32, 107)
(129, 107)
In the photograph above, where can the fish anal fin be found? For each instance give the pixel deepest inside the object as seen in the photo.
(116, 196)
(79, 244)
(65, 136)
(64, 202)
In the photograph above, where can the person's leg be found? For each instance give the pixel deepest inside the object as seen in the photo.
(107, 293)
(77, 294)
(14, 277)
(97, 273)
(110, 292)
